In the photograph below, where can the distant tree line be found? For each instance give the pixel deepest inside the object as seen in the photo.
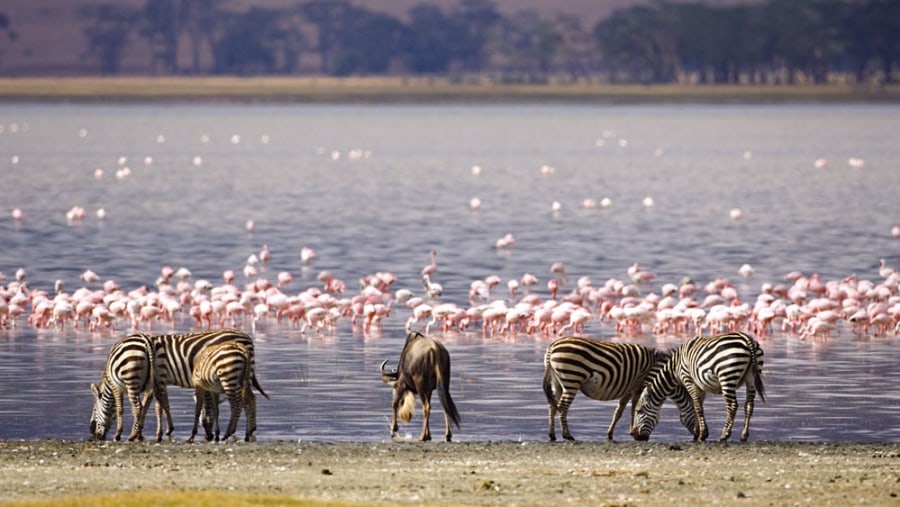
(774, 41)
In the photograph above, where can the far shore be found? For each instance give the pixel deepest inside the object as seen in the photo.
(412, 90)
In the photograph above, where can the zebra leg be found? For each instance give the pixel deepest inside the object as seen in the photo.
(199, 401)
(730, 396)
(620, 407)
(552, 416)
(162, 403)
(137, 412)
(250, 409)
(118, 395)
(236, 401)
(210, 416)
(748, 411)
(565, 401)
(697, 400)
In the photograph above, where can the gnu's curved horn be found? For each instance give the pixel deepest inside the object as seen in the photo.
(382, 366)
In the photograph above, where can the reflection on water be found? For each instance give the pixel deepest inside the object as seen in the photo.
(375, 188)
(330, 390)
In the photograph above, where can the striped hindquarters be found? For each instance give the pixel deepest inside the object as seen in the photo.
(722, 362)
(222, 368)
(176, 354)
(602, 370)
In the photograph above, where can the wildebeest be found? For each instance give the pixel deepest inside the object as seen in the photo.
(424, 366)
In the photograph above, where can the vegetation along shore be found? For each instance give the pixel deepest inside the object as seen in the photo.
(413, 90)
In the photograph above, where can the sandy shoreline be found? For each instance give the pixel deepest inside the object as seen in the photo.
(475, 473)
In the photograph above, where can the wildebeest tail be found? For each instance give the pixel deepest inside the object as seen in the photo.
(407, 407)
(443, 383)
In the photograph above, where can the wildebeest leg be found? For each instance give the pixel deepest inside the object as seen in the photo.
(426, 413)
(395, 405)
(448, 435)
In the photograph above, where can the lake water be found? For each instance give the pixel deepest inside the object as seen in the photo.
(374, 188)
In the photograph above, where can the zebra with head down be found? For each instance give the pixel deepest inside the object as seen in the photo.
(716, 364)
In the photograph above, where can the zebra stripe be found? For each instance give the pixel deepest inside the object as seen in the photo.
(706, 364)
(602, 371)
(223, 368)
(129, 369)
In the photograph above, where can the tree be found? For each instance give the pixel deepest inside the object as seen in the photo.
(369, 42)
(428, 51)
(530, 45)
(329, 18)
(160, 25)
(472, 24)
(4, 25)
(248, 43)
(108, 33)
(640, 43)
(202, 21)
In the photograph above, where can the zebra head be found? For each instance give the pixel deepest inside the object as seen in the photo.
(103, 413)
(661, 383)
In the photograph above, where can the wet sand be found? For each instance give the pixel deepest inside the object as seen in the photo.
(469, 473)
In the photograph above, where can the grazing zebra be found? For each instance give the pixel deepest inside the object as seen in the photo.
(715, 364)
(223, 368)
(130, 369)
(176, 355)
(173, 360)
(602, 371)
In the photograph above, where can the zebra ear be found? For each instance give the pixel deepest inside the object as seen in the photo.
(95, 390)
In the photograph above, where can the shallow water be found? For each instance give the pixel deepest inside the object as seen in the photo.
(290, 169)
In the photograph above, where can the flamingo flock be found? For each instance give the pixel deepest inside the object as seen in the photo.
(800, 305)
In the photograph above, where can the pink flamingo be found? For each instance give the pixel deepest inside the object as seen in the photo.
(431, 268)
(560, 269)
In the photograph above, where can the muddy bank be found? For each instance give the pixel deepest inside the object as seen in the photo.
(532, 473)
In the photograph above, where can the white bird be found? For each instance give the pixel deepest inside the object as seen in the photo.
(432, 289)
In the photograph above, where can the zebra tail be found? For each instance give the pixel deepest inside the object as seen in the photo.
(443, 382)
(757, 369)
(551, 383)
(151, 359)
(758, 381)
(257, 386)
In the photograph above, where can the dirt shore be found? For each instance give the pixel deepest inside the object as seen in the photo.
(471, 473)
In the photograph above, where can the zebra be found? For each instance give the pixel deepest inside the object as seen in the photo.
(130, 369)
(602, 371)
(176, 355)
(173, 362)
(223, 368)
(716, 364)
